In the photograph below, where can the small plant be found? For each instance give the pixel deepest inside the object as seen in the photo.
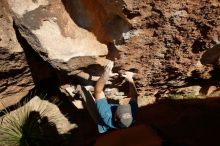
(177, 96)
(30, 125)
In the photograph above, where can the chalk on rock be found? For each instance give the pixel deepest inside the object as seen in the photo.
(71, 91)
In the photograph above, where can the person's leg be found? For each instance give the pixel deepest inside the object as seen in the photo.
(89, 102)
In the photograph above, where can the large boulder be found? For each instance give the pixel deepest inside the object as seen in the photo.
(68, 41)
(15, 74)
(74, 37)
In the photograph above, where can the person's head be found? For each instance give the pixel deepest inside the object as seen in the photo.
(123, 116)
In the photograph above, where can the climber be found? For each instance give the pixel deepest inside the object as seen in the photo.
(113, 115)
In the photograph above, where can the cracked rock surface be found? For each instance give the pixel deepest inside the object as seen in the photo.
(162, 40)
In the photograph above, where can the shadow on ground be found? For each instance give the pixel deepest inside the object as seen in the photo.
(38, 130)
(81, 136)
(193, 122)
(86, 132)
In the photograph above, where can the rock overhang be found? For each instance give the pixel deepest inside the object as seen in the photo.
(52, 33)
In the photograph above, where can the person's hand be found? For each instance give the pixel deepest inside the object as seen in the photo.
(128, 76)
(108, 70)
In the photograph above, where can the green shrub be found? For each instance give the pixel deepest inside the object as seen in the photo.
(177, 96)
(30, 125)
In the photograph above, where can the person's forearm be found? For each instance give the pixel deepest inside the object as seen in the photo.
(99, 87)
(133, 91)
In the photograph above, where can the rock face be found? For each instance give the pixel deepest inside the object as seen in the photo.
(51, 32)
(15, 75)
(162, 40)
(167, 42)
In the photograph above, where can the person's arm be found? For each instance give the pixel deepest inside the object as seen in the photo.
(99, 87)
(133, 91)
(132, 88)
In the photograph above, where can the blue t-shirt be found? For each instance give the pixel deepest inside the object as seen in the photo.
(106, 113)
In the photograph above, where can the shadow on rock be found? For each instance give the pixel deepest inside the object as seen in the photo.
(38, 130)
(191, 122)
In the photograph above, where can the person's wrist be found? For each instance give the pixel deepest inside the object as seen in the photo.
(130, 80)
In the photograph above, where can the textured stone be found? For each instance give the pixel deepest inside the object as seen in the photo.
(162, 40)
(168, 40)
(15, 75)
(54, 36)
